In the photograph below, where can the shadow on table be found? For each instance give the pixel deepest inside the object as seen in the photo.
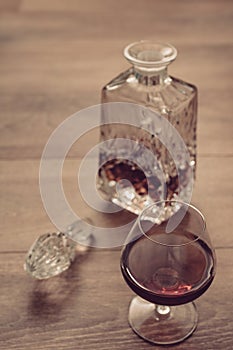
(50, 296)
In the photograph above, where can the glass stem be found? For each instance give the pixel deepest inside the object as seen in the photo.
(162, 312)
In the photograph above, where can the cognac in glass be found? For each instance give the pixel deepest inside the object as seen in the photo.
(168, 261)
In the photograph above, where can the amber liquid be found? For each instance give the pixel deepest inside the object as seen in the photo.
(117, 170)
(168, 275)
(146, 188)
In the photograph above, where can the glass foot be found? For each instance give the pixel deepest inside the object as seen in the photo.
(162, 324)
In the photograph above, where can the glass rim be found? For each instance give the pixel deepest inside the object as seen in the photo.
(196, 210)
(163, 61)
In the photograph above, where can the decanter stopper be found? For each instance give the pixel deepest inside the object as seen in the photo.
(53, 253)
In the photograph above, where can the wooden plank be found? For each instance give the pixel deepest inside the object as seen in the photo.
(9, 5)
(86, 307)
(66, 70)
(43, 107)
(22, 116)
(211, 27)
(207, 8)
(23, 217)
(43, 82)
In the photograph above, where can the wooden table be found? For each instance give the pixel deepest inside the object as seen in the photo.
(55, 57)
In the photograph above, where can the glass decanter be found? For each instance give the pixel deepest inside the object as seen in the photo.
(147, 84)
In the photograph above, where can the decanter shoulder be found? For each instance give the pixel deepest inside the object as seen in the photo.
(182, 87)
(176, 94)
(121, 88)
(119, 80)
(168, 95)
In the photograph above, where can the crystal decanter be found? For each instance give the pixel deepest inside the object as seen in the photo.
(147, 83)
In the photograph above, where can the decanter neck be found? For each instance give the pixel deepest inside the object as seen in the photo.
(152, 77)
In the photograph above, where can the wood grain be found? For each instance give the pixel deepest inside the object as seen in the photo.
(23, 217)
(55, 56)
(86, 307)
(10, 6)
(26, 115)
